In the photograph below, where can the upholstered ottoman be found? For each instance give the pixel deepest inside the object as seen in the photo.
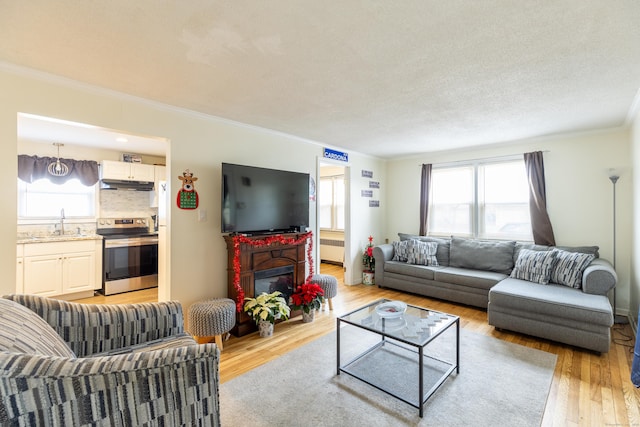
(212, 318)
(329, 285)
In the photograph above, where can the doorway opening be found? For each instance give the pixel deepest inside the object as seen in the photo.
(332, 207)
(39, 135)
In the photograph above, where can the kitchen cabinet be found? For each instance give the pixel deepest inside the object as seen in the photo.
(59, 268)
(160, 177)
(19, 269)
(125, 171)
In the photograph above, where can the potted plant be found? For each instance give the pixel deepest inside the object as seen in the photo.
(265, 309)
(369, 263)
(308, 297)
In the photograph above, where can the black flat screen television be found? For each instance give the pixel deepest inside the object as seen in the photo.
(259, 200)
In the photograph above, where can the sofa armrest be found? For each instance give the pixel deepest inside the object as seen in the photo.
(382, 254)
(599, 277)
(100, 328)
(176, 386)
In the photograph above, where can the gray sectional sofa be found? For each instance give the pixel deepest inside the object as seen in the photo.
(556, 293)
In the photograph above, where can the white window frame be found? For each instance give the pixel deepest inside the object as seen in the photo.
(478, 204)
(334, 205)
(23, 218)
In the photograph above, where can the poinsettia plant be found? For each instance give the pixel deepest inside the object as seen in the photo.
(307, 297)
(368, 261)
(267, 307)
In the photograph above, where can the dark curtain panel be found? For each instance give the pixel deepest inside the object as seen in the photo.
(32, 168)
(540, 222)
(425, 187)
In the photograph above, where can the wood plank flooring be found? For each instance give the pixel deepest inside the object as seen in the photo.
(587, 389)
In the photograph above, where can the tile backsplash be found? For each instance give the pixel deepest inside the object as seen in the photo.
(125, 203)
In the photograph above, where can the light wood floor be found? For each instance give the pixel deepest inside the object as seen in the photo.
(587, 389)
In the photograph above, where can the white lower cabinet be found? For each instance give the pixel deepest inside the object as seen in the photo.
(20, 269)
(59, 268)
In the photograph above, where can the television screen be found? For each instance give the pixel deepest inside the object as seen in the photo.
(263, 200)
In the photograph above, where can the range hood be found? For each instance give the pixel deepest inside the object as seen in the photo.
(118, 184)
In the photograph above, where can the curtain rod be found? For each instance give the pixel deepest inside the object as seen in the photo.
(505, 156)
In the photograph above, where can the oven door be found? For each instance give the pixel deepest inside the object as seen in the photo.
(130, 264)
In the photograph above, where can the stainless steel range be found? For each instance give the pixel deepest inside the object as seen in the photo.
(130, 255)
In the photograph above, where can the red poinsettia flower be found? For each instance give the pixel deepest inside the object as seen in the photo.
(308, 296)
(367, 256)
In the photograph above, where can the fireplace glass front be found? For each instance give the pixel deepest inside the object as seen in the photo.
(274, 279)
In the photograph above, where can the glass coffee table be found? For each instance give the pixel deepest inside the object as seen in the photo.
(403, 350)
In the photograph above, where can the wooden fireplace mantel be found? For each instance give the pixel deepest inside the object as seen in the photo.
(258, 258)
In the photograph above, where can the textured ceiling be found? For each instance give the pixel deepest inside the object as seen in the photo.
(387, 78)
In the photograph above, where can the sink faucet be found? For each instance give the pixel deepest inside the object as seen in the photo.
(62, 222)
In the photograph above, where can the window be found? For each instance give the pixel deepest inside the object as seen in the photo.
(331, 201)
(481, 200)
(43, 199)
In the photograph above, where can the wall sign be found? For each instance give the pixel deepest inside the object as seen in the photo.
(336, 155)
(367, 174)
(366, 193)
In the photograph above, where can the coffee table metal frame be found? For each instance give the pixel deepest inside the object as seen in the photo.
(415, 345)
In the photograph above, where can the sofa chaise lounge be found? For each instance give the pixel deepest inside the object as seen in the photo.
(556, 293)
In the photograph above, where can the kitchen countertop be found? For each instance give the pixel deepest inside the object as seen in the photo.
(66, 238)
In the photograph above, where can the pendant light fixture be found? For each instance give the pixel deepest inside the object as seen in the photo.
(57, 168)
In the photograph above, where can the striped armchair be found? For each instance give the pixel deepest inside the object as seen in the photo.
(64, 363)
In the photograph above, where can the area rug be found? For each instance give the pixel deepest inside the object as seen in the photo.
(499, 383)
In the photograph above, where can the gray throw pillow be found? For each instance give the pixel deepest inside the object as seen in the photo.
(422, 253)
(569, 267)
(530, 246)
(534, 266)
(26, 332)
(482, 255)
(442, 253)
(400, 251)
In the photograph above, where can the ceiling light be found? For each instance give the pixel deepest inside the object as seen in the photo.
(57, 168)
(122, 139)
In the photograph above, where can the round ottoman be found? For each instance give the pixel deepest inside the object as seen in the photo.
(212, 318)
(329, 285)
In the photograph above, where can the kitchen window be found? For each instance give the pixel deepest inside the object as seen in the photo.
(43, 199)
(487, 199)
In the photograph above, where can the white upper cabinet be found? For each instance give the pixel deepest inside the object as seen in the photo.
(125, 171)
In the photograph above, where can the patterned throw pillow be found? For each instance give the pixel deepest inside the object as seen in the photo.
(569, 267)
(422, 253)
(534, 266)
(400, 251)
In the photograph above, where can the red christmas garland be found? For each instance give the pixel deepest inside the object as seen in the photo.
(278, 238)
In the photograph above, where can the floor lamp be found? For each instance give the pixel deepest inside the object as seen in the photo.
(616, 318)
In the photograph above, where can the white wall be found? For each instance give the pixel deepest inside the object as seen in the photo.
(635, 251)
(364, 221)
(579, 192)
(198, 256)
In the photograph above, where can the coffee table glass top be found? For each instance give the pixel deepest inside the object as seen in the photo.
(397, 320)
